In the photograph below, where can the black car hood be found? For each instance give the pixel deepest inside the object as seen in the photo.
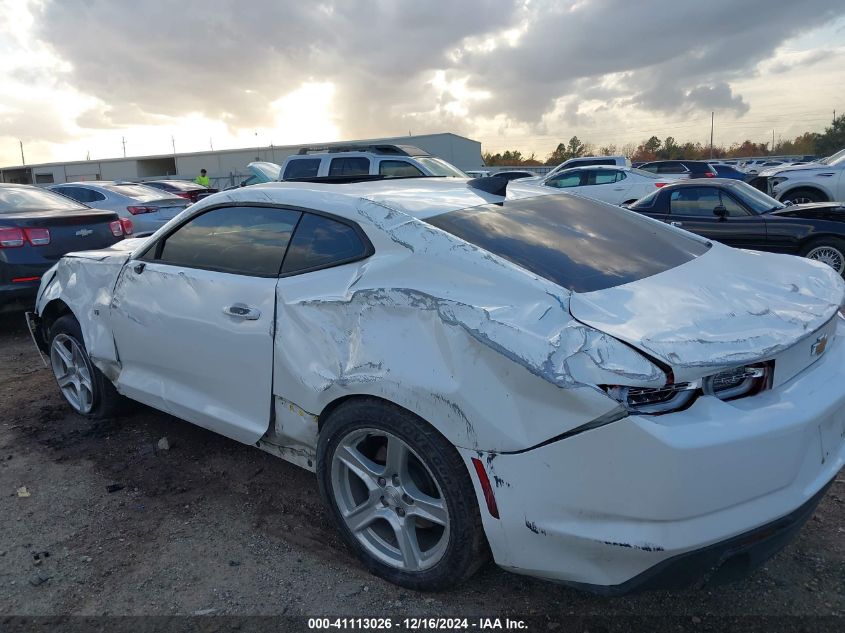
(827, 210)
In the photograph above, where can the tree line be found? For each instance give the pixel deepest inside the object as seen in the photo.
(809, 143)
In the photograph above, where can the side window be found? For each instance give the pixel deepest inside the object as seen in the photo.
(735, 210)
(238, 240)
(398, 169)
(671, 168)
(92, 196)
(651, 168)
(320, 242)
(570, 179)
(602, 176)
(697, 201)
(301, 168)
(350, 166)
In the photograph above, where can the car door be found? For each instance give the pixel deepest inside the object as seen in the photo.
(694, 209)
(608, 185)
(193, 318)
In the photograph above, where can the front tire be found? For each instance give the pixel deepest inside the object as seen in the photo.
(828, 250)
(400, 495)
(82, 385)
(804, 196)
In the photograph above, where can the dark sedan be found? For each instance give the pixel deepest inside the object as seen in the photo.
(514, 175)
(182, 188)
(38, 227)
(737, 214)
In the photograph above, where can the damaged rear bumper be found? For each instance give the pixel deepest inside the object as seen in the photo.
(648, 502)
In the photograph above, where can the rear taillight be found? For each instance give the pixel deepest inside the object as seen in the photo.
(140, 210)
(38, 237)
(116, 228)
(184, 194)
(660, 184)
(709, 174)
(15, 237)
(11, 238)
(128, 228)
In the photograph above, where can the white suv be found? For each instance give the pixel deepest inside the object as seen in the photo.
(390, 161)
(823, 181)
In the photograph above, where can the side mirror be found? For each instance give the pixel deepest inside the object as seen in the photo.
(721, 212)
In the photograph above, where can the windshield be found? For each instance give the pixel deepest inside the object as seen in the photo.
(265, 171)
(21, 199)
(138, 192)
(645, 202)
(575, 242)
(835, 159)
(756, 199)
(439, 167)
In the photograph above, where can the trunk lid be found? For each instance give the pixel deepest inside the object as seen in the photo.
(69, 230)
(725, 308)
(168, 208)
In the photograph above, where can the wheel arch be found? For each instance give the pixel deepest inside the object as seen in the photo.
(810, 187)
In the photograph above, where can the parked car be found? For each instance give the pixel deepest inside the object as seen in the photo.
(514, 174)
(477, 173)
(753, 168)
(182, 188)
(592, 396)
(391, 161)
(36, 229)
(680, 169)
(723, 170)
(821, 181)
(616, 185)
(588, 161)
(737, 214)
(148, 208)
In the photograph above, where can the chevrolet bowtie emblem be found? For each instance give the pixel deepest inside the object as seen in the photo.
(817, 348)
(84, 232)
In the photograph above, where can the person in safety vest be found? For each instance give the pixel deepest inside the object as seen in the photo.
(202, 179)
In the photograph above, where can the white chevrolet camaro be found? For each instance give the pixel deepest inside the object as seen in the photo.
(586, 394)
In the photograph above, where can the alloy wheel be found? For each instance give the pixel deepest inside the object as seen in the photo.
(72, 372)
(830, 256)
(390, 500)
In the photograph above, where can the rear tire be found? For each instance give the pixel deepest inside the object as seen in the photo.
(82, 385)
(804, 196)
(400, 495)
(829, 250)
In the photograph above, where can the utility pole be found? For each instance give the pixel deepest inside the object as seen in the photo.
(123, 140)
(773, 143)
(173, 143)
(712, 115)
(211, 143)
(23, 160)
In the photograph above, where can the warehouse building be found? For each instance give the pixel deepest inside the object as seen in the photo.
(225, 167)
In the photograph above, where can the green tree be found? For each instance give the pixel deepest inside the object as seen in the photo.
(833, 138)
(575, 148)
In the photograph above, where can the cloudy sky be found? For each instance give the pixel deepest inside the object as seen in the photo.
(78, 76)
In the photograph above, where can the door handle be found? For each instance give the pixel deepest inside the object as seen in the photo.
(618, 188)
(678, 224)
(242, 311)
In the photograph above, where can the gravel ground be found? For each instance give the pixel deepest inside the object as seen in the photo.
(117, 524)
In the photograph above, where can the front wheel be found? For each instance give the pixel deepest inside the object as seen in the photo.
(400, 495)
(83, 386)
(829, 250)
(804, 196)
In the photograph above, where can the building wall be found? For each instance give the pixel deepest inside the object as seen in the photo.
(227, 167)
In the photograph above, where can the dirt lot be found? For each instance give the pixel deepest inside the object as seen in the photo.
(116, 525)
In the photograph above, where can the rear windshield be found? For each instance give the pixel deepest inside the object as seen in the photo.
(138, 192)
(21, 199)
(577, 243)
